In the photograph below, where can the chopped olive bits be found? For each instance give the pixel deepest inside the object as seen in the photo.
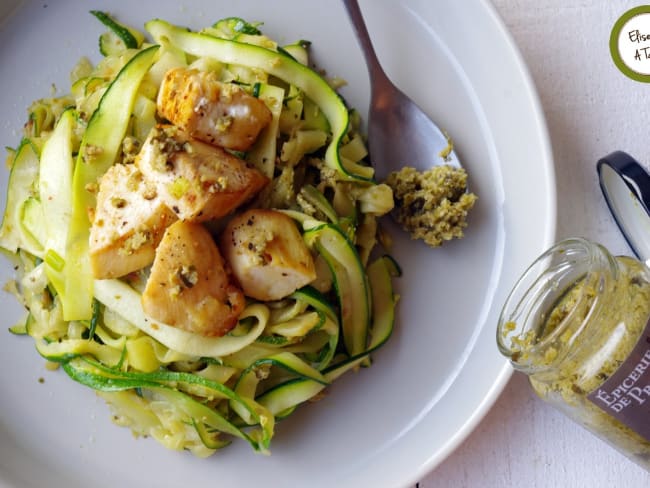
(198, 181)
(188, 286)
(129, 221)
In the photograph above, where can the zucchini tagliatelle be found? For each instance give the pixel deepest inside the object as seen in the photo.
(186, 389)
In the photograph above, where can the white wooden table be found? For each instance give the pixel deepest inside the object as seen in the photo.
(591, 109)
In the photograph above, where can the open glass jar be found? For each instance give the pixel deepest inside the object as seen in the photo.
(578, 324)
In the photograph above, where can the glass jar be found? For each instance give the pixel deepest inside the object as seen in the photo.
(578, 324)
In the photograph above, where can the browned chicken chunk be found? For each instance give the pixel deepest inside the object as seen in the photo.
(222, 114)
(129, 221)
(199, 182)
(189, 287)
(267, 254)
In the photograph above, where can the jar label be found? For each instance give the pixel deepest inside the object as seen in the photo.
(626, 394)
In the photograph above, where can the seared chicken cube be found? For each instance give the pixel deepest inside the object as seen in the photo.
(267, 254)
(199, 182)
(189, 287)
(128, 223)
(218, 113)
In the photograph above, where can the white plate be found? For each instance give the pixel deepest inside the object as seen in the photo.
(428, 388)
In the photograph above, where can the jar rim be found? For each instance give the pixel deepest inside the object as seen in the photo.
(525, 315)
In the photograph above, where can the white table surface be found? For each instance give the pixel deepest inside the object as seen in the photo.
(591, 109)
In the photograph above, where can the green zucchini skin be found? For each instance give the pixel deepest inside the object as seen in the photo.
(118, 37)
(232, 26)
(99, 377)
(21, 187)
(277, 64)
(104, 341)
(99, 147)
(284, 398)
(350, 282)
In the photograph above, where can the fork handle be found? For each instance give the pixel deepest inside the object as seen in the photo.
(361, 31)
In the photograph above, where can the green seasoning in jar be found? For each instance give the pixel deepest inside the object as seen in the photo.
(578, 324)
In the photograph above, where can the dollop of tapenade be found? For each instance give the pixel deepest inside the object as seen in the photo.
(432, 205)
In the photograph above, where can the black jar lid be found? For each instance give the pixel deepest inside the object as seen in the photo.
(626, 187)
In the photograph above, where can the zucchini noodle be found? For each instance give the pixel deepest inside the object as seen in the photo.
(186, 390)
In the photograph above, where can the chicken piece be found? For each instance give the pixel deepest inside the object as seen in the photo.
(199, 182)
(222, 114)
(267, 254)
(189, 287)
(128, 223)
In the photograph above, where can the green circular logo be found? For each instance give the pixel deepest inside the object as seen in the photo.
(629, 43)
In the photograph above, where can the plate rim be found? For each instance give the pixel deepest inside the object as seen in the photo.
(550, 235)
